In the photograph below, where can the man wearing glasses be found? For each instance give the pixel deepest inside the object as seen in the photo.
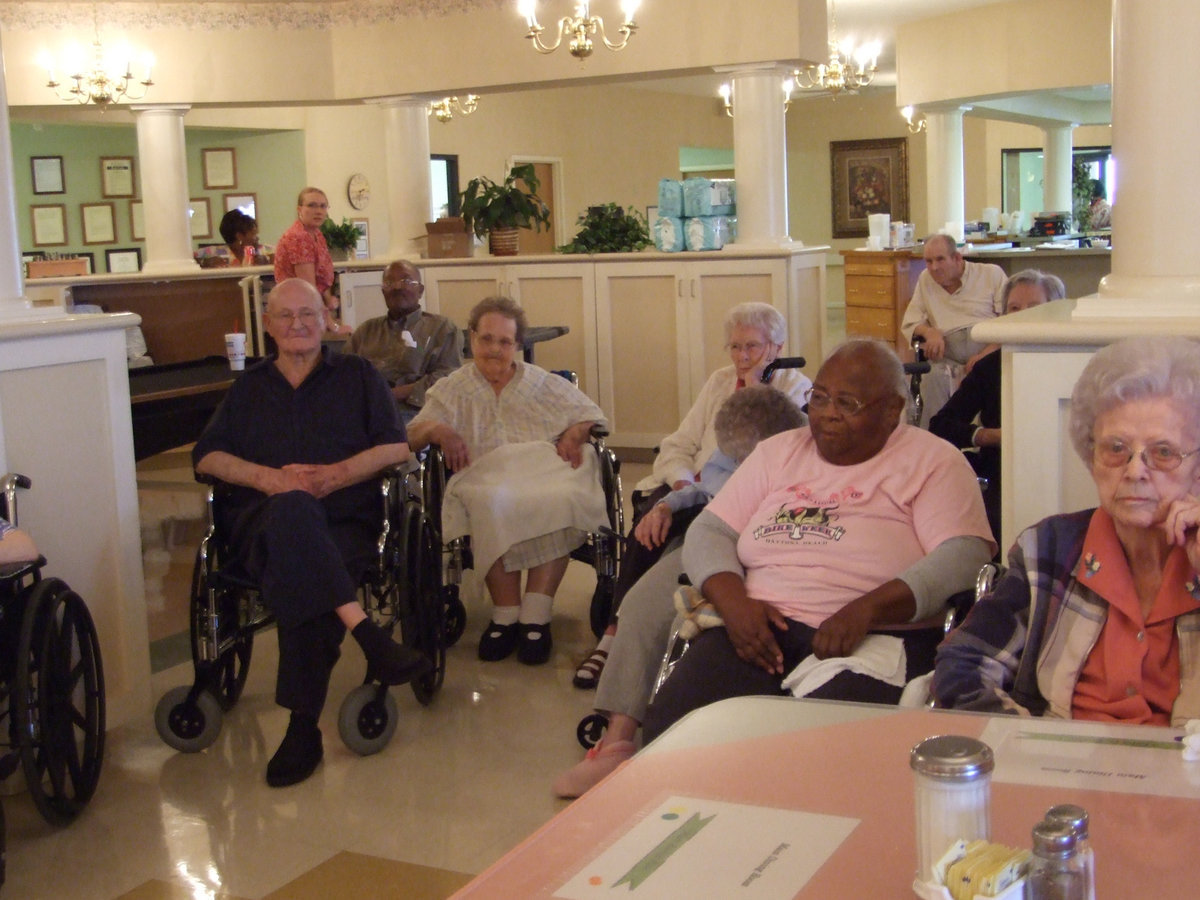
(411, 348)
(299, 439)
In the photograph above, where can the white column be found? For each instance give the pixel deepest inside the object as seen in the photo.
(1056, 169)
(760, 156)
(406, 142)
(1155, 125)
(162, 164)
(944, 167)
(12, 300)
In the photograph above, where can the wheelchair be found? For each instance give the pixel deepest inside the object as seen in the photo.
(401, 588)
(601, 550)
(914, 370)
(51, 684)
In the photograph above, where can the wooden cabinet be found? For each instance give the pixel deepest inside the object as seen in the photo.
(879, 285)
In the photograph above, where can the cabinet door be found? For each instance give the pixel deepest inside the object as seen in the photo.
(452, 291)
(362, 297)
(643, 373)
(561, 294)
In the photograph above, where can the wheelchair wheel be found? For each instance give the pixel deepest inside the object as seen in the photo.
(591, 729)
(58, 708)
(189, 727)
(367, 719)
(226, 676)
(422, 617)
(602, 600)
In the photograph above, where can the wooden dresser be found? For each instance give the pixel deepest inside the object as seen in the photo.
(879, 285)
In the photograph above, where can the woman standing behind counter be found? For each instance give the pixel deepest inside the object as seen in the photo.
(303, 253)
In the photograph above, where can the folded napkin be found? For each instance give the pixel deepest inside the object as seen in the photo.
(880, 656)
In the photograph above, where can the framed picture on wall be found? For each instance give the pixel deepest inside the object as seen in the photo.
(98, 224)
(116, 176)
(91, 261)
(48, 175)
(868, 177)
(49, 225)
(220, 168)
(362, 250)
(198, 217)
(137, 220)
(247, 203)
(124, 260)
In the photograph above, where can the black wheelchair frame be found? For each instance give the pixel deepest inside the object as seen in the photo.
(51, 684)
(400, 588)
(602, 549)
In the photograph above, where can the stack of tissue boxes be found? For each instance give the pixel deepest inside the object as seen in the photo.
(696, 214)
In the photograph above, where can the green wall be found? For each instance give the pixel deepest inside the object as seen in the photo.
(270, 164)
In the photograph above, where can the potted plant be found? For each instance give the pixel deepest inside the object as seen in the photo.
(609, 229)
(342, 239)
(498, 210)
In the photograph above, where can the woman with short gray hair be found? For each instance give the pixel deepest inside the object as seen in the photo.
(1098, 615)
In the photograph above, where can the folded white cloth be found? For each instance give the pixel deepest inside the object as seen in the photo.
(880, 656)
(517, 492)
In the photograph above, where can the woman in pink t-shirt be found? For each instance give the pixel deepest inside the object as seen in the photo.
(854, 524)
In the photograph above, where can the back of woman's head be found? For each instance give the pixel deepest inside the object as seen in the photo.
(1135, 369)
(755, 412)
(762, 317)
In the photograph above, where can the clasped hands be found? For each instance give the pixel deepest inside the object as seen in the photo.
(318, 480)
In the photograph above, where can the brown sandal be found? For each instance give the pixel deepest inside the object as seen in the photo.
(587, 676)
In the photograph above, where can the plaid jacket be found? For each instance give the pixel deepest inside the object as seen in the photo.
(1021, 647)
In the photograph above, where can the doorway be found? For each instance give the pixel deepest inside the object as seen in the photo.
(549, 174)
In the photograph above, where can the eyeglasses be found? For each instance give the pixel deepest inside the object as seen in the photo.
(401, 283)
(307, 317)
(488, 341)
(848, 406)
(316, 206)
(1113, 453)
(753, 348)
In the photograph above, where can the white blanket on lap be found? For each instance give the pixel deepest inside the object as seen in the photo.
(518, 492)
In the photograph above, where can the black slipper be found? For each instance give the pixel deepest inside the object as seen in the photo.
(298, 755)
(498, 642)
(535, 644)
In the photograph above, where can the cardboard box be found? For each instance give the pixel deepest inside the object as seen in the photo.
(56, 268)
(449, 238)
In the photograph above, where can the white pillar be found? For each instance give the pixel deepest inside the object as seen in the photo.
(1056, 169)
(944, 167)
(760, 156)
(12, 290)
(406, 142)
(1155, 128)
(162, 163)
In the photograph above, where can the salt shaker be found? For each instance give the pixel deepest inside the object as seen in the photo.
(1076, 818)
(1056, 870)
(953, 777)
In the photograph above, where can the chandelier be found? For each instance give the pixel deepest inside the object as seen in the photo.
(445, 108)
(110, 79)
(915, 127)
(726, 92)
(849, 74)
(581, 27)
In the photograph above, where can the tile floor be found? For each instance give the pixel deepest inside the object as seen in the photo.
(461, 782)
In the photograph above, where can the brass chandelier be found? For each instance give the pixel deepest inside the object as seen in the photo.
(580, 28)
(850, 74)
(443, 110)
(110, 79)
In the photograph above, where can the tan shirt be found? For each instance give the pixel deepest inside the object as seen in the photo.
(419, 349)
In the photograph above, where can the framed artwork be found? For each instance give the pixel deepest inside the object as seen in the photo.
(868, 177)
(98, 224)
(137, 220)
(116, 176)
(49, 225)
(220, 168)
(247, 203)
(125, 260)
(362, 250)
(198, 217)
(91, 261)
(651, 215)
(48, 175)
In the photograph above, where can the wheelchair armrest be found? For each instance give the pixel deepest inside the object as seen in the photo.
(783, 362)
(917, 368)
(599, 432)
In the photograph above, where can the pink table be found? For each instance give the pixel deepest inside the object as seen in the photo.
(856, 768)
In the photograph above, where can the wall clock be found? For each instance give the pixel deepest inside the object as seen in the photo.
(358, 191)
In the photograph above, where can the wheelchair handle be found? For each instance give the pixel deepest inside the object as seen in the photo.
(917, 368)
(13, 480)
(783, 362)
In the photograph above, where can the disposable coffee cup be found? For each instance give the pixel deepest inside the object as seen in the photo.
(235, 349)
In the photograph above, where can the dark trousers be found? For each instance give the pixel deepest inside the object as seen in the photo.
(711, 670)
(306, 566)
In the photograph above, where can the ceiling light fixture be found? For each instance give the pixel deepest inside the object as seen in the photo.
(581, 27)
(445, 108)
(851, 74)
(915, 127)
(109, 81)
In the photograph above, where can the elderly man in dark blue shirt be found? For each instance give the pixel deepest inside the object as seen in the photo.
(299, 437)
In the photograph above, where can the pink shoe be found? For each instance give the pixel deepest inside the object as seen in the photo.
(592, 769)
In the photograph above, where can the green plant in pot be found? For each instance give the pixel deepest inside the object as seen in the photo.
(341, 239)
(498, 210)
(609, 229)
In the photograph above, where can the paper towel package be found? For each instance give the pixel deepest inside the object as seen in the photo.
(709, 197)
(668, 234)
(670, 198)
(706, 232)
